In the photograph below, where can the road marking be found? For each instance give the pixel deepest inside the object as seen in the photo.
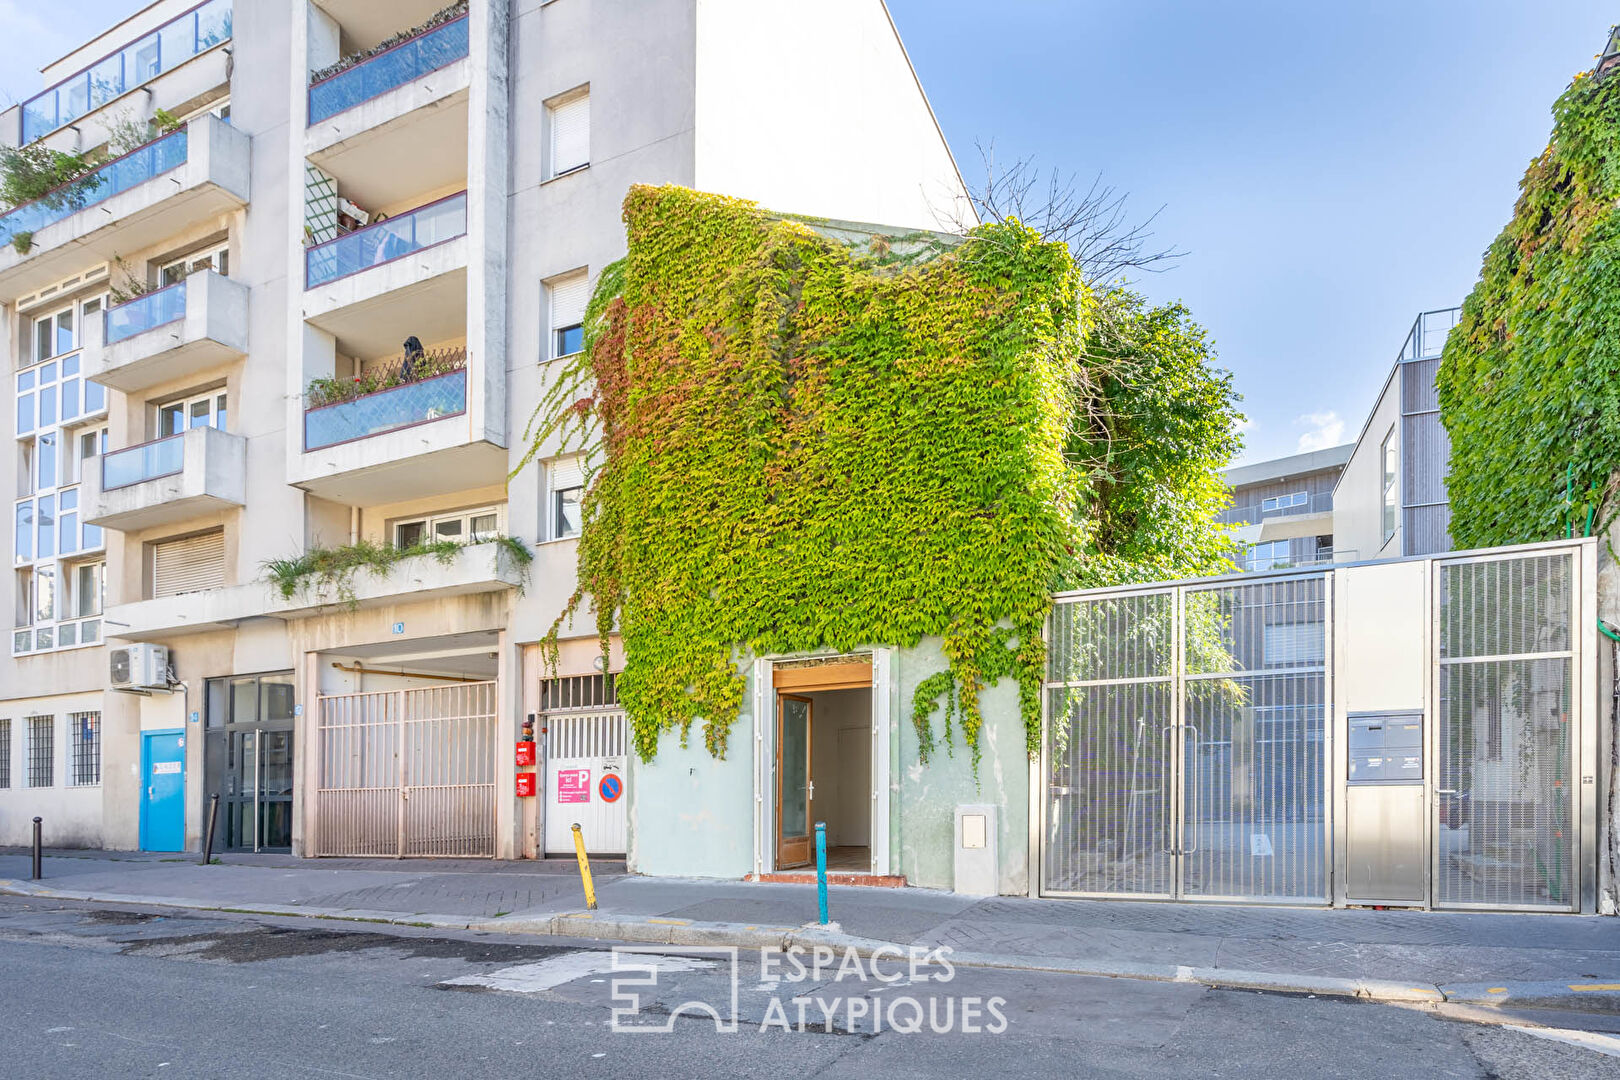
(1591, 1040)
(1594, 986)
(557, 970)
(1497, 990)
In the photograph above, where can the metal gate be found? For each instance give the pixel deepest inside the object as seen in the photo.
(1505, 812)
(586, 781)
(1185, 739)
(407, 772)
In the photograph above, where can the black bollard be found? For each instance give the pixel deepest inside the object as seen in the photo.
(213, 816)
(39, 851)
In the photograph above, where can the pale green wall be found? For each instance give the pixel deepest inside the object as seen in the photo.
(692, 816)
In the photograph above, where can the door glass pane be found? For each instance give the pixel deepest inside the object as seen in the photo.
(199, 414)
(171, 420)
(448, 530)
(795, 777)
(408, 534)
(276, 697)
(244, 701)
(219, 412)
(276, 750)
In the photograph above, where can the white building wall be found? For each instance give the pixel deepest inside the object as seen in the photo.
(1358, 502)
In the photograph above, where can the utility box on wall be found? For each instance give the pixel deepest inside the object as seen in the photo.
(975, 850)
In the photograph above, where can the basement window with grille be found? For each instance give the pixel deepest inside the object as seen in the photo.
(86, 761)
(41, 751)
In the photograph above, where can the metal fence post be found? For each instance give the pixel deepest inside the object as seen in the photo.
(39, 860)
(213, 816)
(821, 870)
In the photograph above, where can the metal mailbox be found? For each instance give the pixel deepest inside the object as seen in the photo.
(1386, 748)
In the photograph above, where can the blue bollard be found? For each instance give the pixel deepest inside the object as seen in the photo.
(821, 869)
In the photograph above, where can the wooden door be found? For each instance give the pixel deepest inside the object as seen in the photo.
(793, 790)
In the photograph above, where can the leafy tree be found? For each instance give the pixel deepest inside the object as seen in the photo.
(30, 172)
(1155, 421)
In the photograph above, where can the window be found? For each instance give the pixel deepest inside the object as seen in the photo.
(53, 334)
(566, 297)
(5, 753)
(87, 590)
(1274, 555)
(215, 259)
(188, 564)
(1284, 502)
(568, 117)
(203, 410)
(41, 751)
(566, 477)
(463, 526)
(1391, 458)
(85, 731)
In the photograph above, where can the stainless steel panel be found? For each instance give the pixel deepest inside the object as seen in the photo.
(1386, 860)
(1505, 813)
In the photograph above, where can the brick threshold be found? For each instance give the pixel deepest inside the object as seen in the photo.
(834, 877)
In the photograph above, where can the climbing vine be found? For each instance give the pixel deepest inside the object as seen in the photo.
(799, 441)
(1529, 381)
(807, 444)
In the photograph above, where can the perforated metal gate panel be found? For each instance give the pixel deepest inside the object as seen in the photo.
(407, 772)
(1185, 743)
(1505, 816)
(585, 765)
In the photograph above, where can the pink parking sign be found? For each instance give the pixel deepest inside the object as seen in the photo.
(573, 785)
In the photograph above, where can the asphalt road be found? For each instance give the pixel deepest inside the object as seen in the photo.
(87, 990)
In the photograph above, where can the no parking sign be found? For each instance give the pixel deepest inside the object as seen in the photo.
(610, 788)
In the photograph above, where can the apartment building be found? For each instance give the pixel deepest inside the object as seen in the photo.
(1282, 510)
(1391, 497)
(308, 314)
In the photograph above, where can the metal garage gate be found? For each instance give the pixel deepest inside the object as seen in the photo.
(407, 772)
(587, 739)
(1505, 813)
(1185, 742)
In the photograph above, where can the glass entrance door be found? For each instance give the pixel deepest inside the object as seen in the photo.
(793, 785)
(258, 792)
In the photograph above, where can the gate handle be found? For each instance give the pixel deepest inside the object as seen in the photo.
(1169, 817)
(1197, 789)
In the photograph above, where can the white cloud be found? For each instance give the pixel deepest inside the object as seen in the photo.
(1324, 429)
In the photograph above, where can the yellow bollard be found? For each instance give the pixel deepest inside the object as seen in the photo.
(584, 867)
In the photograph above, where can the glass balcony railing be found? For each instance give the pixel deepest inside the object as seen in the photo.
(114, 178)
(386, 410)
(387, 240)
(148, 461)
(393, 67)
(144, 313)
(164, 49)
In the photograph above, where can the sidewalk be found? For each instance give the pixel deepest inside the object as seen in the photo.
(1552, 961)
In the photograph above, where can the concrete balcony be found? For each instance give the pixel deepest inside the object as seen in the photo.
(190, 327)
(181, 180)
(405, 275)
(369, 124)
(168, 480)
(478, 568)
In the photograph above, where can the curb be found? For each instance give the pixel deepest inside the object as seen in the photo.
(658, 930)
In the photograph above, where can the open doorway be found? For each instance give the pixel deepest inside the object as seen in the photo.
(824, 764)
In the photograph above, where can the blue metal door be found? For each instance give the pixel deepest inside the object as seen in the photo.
(163, 799)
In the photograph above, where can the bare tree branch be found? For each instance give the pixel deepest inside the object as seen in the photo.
(1094, 223)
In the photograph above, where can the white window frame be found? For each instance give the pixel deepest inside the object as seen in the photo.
(431, 522)
(566, 289)
(1284, 502)
(216, 400)
(1390, 464)
(565, 100)
(217, 259)
(561, 476)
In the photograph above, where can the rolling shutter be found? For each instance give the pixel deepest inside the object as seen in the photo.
(570, 134)
(569, 295)
(568, 472)
(188, 565)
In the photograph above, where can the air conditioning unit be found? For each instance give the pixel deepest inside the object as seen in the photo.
(142, 666)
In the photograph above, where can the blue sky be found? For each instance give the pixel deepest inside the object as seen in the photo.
(1332, 169)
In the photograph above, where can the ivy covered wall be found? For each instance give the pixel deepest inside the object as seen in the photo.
(1529, 381)
(806, 436)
